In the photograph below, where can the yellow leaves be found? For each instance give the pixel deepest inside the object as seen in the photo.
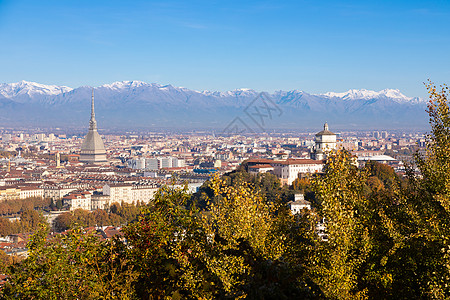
(339, 191)
(239, 212)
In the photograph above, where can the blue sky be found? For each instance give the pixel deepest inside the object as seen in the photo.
(315, 46)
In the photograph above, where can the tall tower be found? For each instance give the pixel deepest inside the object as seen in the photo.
(325, 142)
(58, 159)
(92, 150)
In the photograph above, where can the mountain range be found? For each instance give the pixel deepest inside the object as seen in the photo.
(136, 104)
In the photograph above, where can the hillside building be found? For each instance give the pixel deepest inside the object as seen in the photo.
(288, 170)
(325, 142)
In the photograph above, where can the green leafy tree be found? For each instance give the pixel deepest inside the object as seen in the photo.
(166, 249)
(249, 240)
(233, 250)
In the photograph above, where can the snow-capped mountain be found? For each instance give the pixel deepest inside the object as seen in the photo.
(25, 89)
(364, 94)
(139, 104)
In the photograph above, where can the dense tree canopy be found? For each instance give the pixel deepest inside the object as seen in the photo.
(119, 214)
(72, 266)
(18, 205)
(28, 222)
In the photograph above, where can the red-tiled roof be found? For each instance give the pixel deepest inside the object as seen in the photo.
(260, 166)
(298, 162)
(291, 161)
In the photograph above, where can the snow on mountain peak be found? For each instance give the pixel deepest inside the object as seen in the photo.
(368, 94)
(25, 90)
(124, 84)
(396, 94)
(234, 93)
(10, 90)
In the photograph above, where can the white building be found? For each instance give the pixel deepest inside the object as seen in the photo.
(156, 163)
(260, 169)
(165, 162)
(118, 192)
(100, 201)
(6, 137)
(191, 187)
(321, 229)
(137, 164)
(29, 191)
(299, 204)
(151, 164)
(58, 192)
(129, 193)
(78, 200)
(39, 137)
(325, 142)
(288, 170)
(178, 162)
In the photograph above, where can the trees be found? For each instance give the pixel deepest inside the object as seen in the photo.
(388, 238)
(63, 221)
(7, 227)
(343, 205)
(28, 222)
(232, 250)
(165, 249)
(72, 266)
(120, 214)
(128, 212)
(384, 174)
(379, 244)
(17, 205)
(5, 262)
(427, 201)
(30, 219)
(239, 224)
(268, 184)
(250, 245)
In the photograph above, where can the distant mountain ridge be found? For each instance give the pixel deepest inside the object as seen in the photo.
(136, 104)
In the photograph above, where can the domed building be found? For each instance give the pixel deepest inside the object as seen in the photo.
(93, 150)
(325, 142)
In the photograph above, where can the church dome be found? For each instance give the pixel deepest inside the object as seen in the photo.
(325, 131)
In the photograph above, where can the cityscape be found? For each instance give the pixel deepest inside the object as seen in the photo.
(224, 150)
(94, 172)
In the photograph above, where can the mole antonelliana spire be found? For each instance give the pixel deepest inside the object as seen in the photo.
(92, 149)
(92, 122)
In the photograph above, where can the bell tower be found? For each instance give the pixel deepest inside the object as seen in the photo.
(325, 142)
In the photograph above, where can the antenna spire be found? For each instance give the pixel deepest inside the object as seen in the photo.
(92, 122)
